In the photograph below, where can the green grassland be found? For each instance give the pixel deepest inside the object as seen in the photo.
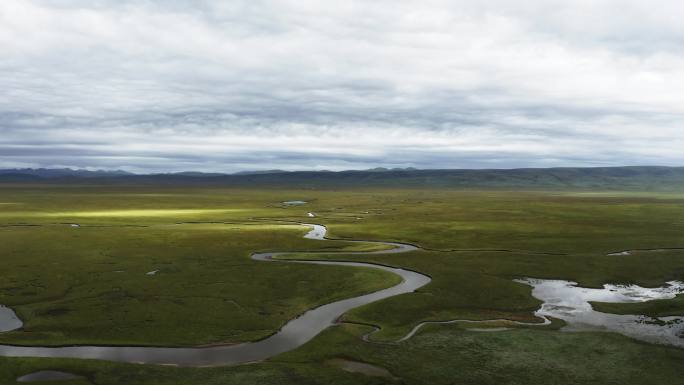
(438, 355)
(658, 308)
(89, 284)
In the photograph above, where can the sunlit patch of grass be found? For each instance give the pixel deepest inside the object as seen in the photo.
(622, 194)
(241, 227)
(261, 227)
(123, 213)
(68, 285)
(88, 285)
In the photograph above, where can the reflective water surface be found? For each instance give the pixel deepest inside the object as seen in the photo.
(569, 302)
(562, 299)
(295, 333)
(48, 375)
(360, 367)
(294, 203)
(8, 320)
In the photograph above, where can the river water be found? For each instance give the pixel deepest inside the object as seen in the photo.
(295, 333)
(562, 299)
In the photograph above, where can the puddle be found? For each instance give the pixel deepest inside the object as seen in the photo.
(360, 367)
(630, 252)
(621, 253)
(294, 203)
(8, 320)
(49, 375)
(569, 302)
(153, 272)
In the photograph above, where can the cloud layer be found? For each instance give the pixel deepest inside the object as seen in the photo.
(228, 86)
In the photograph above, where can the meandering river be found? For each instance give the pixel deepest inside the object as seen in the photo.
(295, 333)
(562, 299)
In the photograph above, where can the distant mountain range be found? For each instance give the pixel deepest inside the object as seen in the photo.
(645, 177)
(69, 172)
(82, 173)
(60, 172)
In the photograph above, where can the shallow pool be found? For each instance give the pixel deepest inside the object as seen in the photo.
(567, 301)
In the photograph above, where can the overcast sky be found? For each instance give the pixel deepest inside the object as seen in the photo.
(149, 86)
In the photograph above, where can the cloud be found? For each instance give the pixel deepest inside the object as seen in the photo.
(228, 86)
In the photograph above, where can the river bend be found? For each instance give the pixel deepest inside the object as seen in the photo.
(293, 334)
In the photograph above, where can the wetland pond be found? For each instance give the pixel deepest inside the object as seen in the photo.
(8, 320)
(571, 303)
(294, 203)
(49, 375)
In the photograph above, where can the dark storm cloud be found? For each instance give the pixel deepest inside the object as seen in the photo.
(226, 86)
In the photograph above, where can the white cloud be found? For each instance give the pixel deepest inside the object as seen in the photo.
(212, 85)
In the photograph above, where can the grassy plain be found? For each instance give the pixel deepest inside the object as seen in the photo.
(658, 308)
(89, 284)
(438, 355)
